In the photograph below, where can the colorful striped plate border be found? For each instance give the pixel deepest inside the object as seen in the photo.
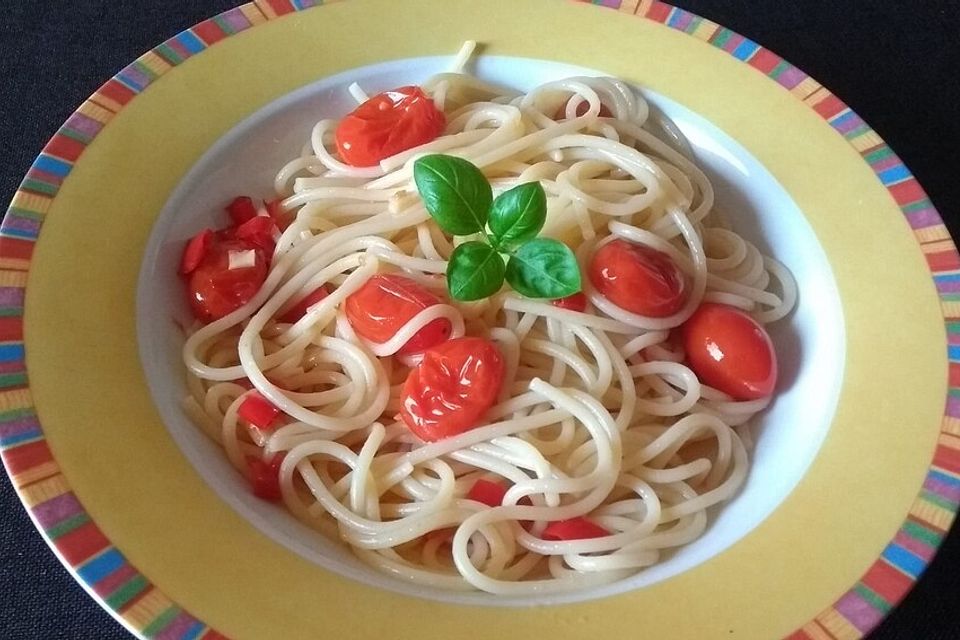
(141, 607)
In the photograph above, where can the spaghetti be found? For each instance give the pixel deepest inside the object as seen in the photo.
(599, 418)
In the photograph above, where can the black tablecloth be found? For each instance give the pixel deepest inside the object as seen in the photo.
(896, 63)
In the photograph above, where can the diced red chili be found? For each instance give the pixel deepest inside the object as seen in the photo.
(487, 492)
(573, 529)
(258, 411)
(265, 477)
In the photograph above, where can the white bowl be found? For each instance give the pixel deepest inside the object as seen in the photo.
(810, 344)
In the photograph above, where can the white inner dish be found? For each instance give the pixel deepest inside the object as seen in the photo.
(810, 343)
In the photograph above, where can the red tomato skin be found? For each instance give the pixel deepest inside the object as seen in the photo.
(214, 290)
(573, 529)
(195, 250)
(730, 351)
(487, 492)
(275, 210)
(265, 477)
(241, 209)
(300, 309)
(452, 387)
(385, 303)
(638, 279)
(574, 302)
(258, 231)
(386, 124)
(258, 411)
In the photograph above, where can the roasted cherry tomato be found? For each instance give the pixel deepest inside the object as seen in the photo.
(195, 250)
(452, 387)
(387, 124)
(385, 303)
(275, 210)
(730, 351)
(575, 302)
(214, 289)
(241, 209)
(638, 279)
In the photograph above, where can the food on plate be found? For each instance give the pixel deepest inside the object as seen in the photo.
(487, 339)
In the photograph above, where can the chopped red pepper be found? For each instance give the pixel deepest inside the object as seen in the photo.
(489, 493)
(195, 250)
(574, 302)
(280, 217)
(241, 209)
(265, 477)
(299, 310)
(257, 410)
(573, 529)
(258, 231)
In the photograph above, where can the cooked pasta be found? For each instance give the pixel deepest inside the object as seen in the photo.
(599, 417)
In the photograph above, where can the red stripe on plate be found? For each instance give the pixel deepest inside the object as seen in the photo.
(954, 374)
(27, 456)
(64, 147)
(209, 31)
(947, 458)
(887, 582)
(829, 107)
(11, 328)
(943, 261)
(281, 7)
(16, 248)
(117, 92)
(907, 192)
(764, 60)
(81, 543)
(659, 12)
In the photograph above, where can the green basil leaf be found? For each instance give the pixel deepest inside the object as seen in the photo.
(475, 271)
(544, 268)
(455, 192)
(518, 215)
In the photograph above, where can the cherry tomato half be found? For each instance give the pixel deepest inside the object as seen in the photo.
(385, 303)
(214, 289)
(730, 351)
(452, 387)
(386, 124)
(638, 279)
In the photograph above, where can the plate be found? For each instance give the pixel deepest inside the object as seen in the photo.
(172, 522)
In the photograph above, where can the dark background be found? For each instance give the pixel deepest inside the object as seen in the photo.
(895, 63)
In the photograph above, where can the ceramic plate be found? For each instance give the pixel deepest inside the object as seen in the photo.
(855, 478)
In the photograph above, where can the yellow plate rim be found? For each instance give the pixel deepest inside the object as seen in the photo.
(39, 460)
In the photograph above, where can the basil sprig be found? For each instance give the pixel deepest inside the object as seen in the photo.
(459, 198)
